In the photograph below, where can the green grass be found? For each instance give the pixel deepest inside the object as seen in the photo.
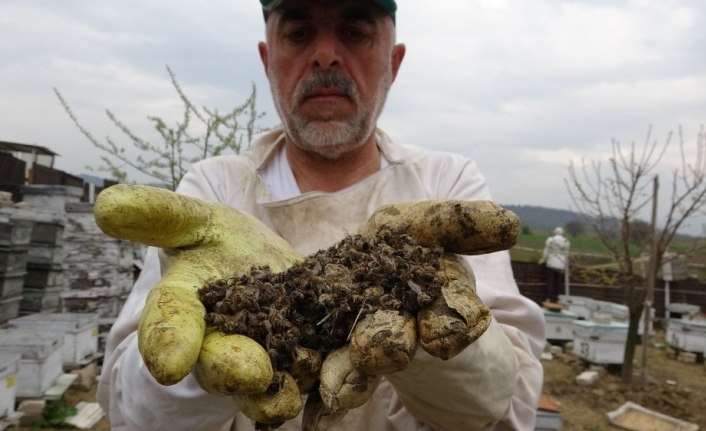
(588, 251)
(519, 255)
(581, 244)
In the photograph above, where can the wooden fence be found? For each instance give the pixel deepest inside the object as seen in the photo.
(12, 175)
(531, 279)
(12, 169)
(46, 175)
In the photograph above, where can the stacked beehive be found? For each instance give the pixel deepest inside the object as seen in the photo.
(44, 281)
(14, 244)
(98, 269)
(72, 266)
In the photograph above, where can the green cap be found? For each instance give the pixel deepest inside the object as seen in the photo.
(388, 5)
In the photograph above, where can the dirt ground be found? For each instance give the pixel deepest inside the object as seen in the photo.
(675, 388)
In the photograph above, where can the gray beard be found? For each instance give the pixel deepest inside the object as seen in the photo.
(328, 138)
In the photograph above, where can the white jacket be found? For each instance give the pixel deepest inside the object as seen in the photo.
(493, 384)
(556, 252)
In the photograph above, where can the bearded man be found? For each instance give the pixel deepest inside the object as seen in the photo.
(330, 65)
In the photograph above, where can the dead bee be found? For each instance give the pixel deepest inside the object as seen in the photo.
(424, 300)
(290, 340)
(310, 337)
(326, 300)
(427, 277)
(360, 275)
(343, 294)
(278, 321)
(347, 262)
(215, 319)
(389, 302)
(436, 249)
(297, 295)
(406, 239)
(225, 307)
(229, 326)
(317, 269)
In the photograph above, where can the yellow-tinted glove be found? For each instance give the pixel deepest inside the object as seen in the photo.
(201, 242)
(457, 317)
(385, 342)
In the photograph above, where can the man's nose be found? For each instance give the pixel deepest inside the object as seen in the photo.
(326, 50)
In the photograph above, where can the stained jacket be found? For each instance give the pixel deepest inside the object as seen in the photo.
(493, 384)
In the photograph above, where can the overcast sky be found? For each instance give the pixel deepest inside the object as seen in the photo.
(522, 87)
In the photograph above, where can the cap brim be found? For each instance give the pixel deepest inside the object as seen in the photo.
(388, 5)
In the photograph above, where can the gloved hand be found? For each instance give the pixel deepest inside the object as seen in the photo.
(200, 242)
(204, 241)
(385, 342)
(457, 317)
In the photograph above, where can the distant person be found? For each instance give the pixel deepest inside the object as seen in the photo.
(556, 256)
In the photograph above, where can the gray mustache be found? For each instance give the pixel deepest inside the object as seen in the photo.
(326, 79)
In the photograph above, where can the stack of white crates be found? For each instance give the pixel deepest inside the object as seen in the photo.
(9, 362)
(79, 331)
(600, 343)
(40, 362)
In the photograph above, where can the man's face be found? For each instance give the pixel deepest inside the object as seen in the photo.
(330, 65)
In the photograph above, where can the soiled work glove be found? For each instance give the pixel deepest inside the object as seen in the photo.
(201, 242)
(385, 342)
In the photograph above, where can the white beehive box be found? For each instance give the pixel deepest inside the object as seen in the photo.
(621, 313)
(9, 362)
(558, 325)
(616, 311)
(548, 421)
(580, 305)
(678, 310)
(40, 362)
(80, 332)
(688, 335)
(600, 343)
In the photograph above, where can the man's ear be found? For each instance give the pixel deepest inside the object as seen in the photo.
(262, 49)
(398, 52)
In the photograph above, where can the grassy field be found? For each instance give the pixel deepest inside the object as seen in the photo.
(588, 251)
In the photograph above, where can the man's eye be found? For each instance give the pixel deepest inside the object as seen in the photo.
(298, 35)
(356, 35)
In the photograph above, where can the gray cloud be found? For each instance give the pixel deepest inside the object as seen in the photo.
(520, 87)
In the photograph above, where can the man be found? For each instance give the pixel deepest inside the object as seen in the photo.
(556, 257)
(330, 65)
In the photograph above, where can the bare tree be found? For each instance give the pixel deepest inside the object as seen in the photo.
(575, 228)
(617, 198)
(167, 163)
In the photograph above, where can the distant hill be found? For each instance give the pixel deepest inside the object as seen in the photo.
(543, 218)
(91, 179)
